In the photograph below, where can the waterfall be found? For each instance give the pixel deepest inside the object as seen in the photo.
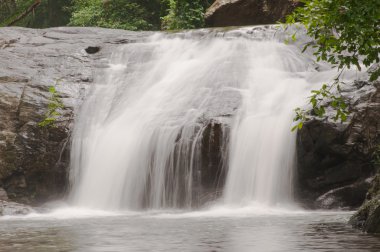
(177, 120)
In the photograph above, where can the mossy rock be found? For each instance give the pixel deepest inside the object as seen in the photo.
(367, 218)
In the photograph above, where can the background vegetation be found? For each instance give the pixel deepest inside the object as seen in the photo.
(45, 13)
(121, 14)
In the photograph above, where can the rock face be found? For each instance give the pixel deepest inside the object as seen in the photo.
(248, 12)
(335, 162)
(34, 159)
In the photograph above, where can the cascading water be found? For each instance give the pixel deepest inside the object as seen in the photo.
(173, 114)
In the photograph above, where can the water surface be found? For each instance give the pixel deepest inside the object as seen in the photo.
(217, 230)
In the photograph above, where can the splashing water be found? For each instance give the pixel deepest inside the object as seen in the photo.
(173, 115)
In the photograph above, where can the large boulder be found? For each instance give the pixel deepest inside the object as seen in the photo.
(248, 12)
(34, 160)
(335, 161)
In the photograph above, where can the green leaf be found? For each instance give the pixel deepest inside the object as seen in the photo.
(294, 38)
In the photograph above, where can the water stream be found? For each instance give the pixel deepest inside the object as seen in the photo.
(214, 230)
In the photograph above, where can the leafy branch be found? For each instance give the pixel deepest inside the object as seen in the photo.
(12, 12)
(54, 105)
(322, 99)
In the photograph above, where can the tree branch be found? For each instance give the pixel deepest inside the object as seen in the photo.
(26, 13)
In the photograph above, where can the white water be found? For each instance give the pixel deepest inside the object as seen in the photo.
(138, 140)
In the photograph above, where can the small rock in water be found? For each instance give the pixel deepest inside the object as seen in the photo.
(3, 194)
(12, 208)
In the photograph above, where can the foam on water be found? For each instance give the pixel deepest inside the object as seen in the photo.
(253, 210)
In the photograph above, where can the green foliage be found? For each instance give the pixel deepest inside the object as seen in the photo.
(346, 33)
(184, 14)
(120, 14)
(139, 14)
(54, 105)
(48, 13)
(117, 14)
(11, 9)
(327, 96)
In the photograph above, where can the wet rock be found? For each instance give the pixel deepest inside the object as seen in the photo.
(367, 218)
(335, 161)
(34, 160)
(3, 194)
(248, 12)
(213, 161)
(346, 197)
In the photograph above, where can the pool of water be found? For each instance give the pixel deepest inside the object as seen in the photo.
(214, 230)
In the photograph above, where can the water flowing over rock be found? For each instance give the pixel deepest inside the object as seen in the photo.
(33, 159)
(248, 12)
(173, 120)
(178, 115)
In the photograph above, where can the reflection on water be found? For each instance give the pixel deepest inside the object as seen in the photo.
(173, 232)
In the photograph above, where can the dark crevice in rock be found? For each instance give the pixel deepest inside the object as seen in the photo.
(92, 49)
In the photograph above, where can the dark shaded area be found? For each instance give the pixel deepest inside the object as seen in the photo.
(214, 161)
